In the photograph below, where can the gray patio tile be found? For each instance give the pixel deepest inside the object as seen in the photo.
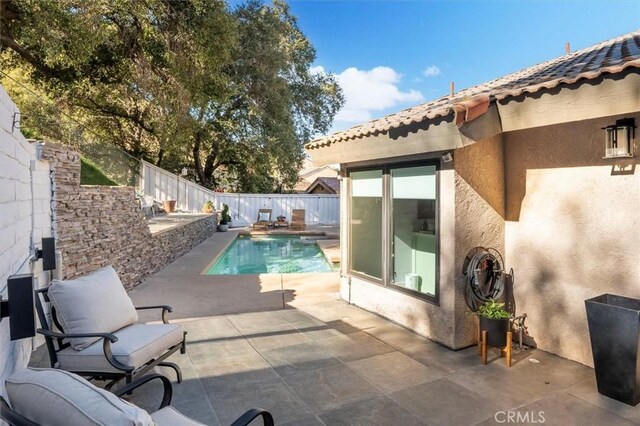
(351, 347)
(257, 322)
(216, 373)
(209, 328)
(293, 316)
(317, 330)
(441, 358)
(393, 371)
(277, 337)
(199, 409)
(562, 409)
(331, 387)
(508, 386)
(396, 336)
(294, 359)
(443, 402)
(587, 391)
(309, 420)
(380, 411)
(215, 348)
(272, 395)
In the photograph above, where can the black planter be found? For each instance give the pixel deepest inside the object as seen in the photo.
(496, 331)
(614, 328)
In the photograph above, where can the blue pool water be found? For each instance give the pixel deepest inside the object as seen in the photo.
(270, 255)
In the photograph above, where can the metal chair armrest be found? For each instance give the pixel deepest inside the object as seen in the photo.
(165, 309)
(251, 415)
(110, 337)
(166, 383)
(107, 339)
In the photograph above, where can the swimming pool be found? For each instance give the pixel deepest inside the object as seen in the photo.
(270, 255)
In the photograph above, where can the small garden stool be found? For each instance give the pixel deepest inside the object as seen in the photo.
(483, 343)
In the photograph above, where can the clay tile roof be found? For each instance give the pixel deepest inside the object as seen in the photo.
(611, 56)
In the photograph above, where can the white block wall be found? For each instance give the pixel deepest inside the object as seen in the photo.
(21, 215)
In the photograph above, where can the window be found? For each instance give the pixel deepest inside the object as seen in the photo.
(366, 222)
(413, 210)
(395, 204)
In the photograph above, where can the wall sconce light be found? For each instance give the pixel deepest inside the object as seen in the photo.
(184, 171)
(19, 307)
(447, 157)
(619, 138)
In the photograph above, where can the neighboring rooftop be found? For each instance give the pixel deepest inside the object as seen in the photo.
(329, 185)
(611, 56)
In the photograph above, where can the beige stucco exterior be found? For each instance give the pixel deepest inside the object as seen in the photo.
(566, 220)
(572, 229)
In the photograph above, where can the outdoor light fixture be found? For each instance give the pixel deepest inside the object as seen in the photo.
(619, 138)
(184, 171)
(19, 307)
(447, 157)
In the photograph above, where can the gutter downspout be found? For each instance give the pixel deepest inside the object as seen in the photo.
(477, 118)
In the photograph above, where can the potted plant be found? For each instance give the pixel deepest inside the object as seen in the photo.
(225, 219)
(207, 207)
(495, 320)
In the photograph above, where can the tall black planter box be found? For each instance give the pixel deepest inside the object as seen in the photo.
(614, 328)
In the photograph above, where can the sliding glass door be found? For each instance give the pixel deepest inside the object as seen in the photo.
(366, 222)
(395, 204)
(413, 212)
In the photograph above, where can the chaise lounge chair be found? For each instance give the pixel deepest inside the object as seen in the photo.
(52, 397)
(96, 331)
(298, 219)
(264, 219)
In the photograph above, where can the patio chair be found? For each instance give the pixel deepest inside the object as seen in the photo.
(147, 202)
(52, 397)
(264, 219)
(298, 219)
(94, 330)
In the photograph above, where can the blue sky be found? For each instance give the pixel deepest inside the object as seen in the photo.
(392, 54)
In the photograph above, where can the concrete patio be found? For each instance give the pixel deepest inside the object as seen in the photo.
(286, 343)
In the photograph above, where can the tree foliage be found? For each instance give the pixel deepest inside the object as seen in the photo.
(227, 93)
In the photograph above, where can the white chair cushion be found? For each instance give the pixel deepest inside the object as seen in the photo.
(94, 303)
(264, 217)
(58, 398)
(137, 344)
(169, 416)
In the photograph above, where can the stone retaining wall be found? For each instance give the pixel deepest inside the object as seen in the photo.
(103, 225)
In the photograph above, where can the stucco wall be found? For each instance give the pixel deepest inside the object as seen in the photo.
(17, 209)
(479, 217)
(572, 230)
(102, 225)
(434, 321)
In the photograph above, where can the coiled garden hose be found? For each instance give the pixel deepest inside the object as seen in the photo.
(483, 268)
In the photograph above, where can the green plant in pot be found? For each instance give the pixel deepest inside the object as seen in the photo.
(225, 219)
(207, 207)
(496, 321)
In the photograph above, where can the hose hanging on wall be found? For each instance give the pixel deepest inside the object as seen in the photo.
(483, 268)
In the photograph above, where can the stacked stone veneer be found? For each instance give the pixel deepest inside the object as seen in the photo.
(103, 225)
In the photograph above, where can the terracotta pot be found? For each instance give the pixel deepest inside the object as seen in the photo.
(169, 205)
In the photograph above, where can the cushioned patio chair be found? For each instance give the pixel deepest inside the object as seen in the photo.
(298, 219)
(52, 397)
(94, 331)
(264, 219)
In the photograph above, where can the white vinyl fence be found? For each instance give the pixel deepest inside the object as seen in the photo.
(163, 185)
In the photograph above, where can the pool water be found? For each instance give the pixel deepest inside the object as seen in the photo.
(270, 255)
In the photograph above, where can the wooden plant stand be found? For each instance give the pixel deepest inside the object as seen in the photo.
(482, 347)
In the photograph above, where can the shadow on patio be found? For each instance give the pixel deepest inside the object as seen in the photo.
(286, 343)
